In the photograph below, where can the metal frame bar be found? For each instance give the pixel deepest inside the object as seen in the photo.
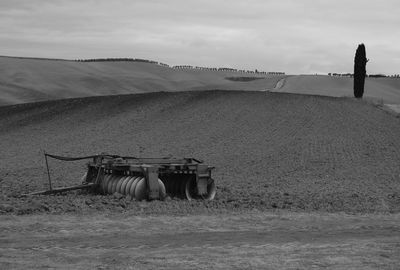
(48, 171)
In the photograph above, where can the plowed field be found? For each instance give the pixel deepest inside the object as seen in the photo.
(270, 150)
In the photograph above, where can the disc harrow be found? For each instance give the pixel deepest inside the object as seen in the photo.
(143, 178)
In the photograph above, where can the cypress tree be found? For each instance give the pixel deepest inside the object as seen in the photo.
(360, 61)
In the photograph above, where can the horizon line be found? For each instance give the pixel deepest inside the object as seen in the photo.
(149, 61)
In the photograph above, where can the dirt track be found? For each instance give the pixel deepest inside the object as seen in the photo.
(270, 150)
(254, 240)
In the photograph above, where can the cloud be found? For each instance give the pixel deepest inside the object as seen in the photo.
(291, 35)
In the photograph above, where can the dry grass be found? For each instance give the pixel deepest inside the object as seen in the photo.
(385, 89)
(31, 80)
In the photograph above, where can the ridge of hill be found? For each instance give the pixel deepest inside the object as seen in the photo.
(24, 80)
(385, 89)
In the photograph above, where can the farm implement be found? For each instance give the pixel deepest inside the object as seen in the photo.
(142, 178)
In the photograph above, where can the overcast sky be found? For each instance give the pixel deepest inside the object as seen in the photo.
(295, 36)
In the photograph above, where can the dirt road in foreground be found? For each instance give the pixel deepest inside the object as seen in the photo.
(257, 240)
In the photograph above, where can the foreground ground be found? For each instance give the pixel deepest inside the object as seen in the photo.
(255, 240)
(270, 150)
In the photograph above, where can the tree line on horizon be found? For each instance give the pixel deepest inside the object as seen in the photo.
(118, 60)
(228, 69)
(178, 66)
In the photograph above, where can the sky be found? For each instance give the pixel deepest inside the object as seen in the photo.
(293, 36)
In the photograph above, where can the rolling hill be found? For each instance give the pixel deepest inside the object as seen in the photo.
(24, 80)
(271, 146)
(386, 90)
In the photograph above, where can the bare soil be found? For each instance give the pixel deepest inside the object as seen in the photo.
(270, 150)
(255, 240)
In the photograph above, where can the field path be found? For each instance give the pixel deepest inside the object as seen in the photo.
(252, 240)
(280, 84)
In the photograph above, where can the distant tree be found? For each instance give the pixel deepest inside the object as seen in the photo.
(360, 61)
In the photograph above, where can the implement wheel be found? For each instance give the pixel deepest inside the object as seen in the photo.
(191, 190)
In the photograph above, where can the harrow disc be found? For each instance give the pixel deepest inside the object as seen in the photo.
(104, 184)
(190, 190)
(131, 190)
(141, 192)
(115, 182)
(123, 185)
(119, 184)
(110, 184)
(129, 185)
